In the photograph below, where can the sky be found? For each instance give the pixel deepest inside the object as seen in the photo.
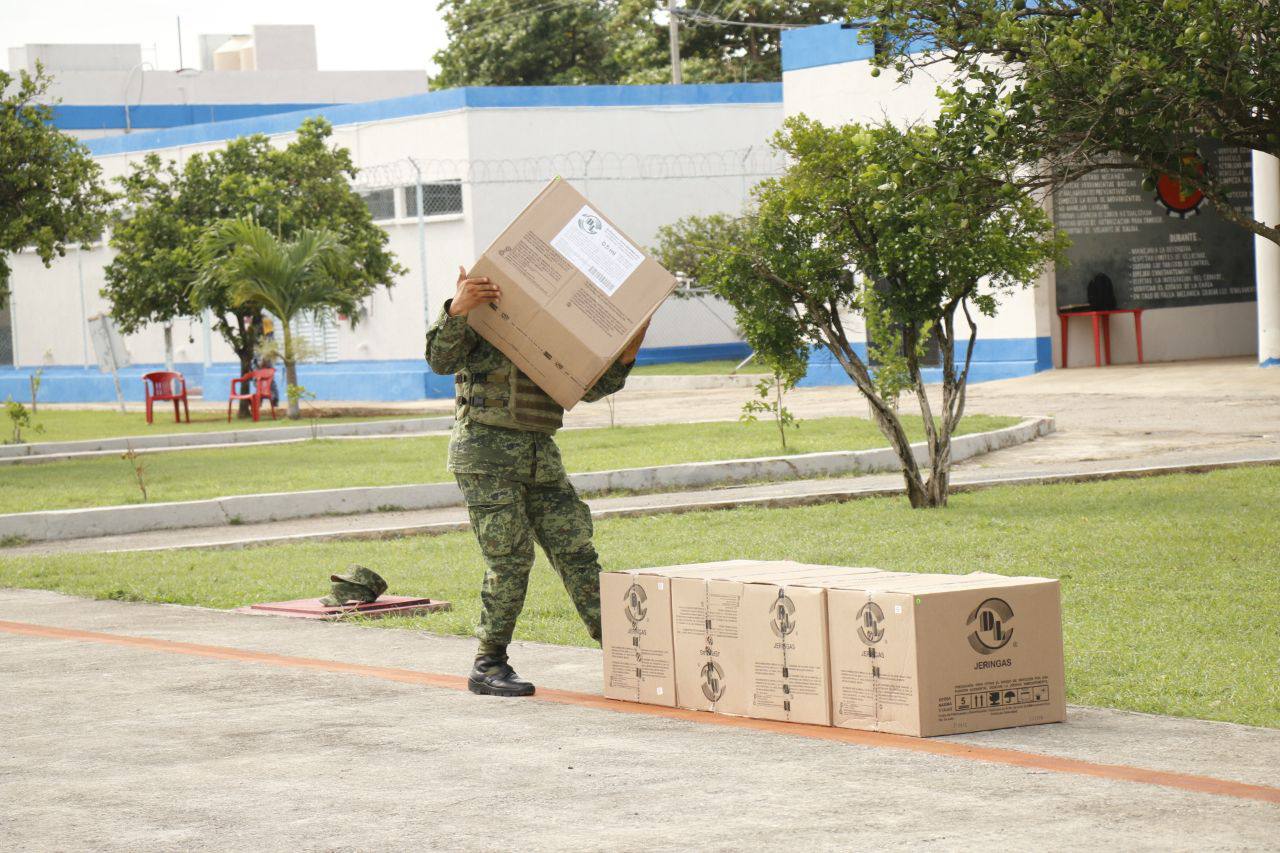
(385, 35)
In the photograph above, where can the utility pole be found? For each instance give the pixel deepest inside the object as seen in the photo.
(673, 27)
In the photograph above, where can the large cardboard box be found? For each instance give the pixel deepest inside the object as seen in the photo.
(716, 666)
(635, 622)
(785, 649)
(703, 645)
(706, 604)
(932, 655)
(900, 652)
(575, 290)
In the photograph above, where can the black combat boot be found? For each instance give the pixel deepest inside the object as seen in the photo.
(493, 676)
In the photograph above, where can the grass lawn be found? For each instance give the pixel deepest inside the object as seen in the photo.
(82, 424)
(1170, 592)
(693, 368)
(334, 463)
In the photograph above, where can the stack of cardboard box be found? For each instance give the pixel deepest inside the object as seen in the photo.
(915, 654)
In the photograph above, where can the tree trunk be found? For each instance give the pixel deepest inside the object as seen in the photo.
(244, 345)
(886, 419)
(290, 372)
(777, 412)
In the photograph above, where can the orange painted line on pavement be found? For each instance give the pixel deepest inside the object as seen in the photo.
(950, 749)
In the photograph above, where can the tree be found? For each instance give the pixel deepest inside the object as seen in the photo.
(154, 278)
(907, 228)
(50, 195)
(287, 278)
(526, 42)
(522, 42)
(1083, 81)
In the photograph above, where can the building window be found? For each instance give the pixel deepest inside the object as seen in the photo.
(319, 331)
(440, 198)
(381, 203)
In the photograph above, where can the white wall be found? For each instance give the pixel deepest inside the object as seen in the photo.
(637, 143)
(846, 92)
(75, 57)
(233, 87)
(47, 300)
(280, 47)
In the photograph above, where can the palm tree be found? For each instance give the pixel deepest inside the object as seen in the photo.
(287, 277)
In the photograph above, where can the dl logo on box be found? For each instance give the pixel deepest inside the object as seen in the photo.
(635, 604)
(990, 621)
(783, 622)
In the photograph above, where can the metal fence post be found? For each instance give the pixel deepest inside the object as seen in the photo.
(422, 243)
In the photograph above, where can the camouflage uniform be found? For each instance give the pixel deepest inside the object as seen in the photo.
(516, 488)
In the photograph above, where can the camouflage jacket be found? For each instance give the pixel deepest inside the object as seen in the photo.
(475, 448)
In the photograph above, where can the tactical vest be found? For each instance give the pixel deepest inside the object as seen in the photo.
(506, 398)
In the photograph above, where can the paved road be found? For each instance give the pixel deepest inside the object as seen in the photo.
(111, 747)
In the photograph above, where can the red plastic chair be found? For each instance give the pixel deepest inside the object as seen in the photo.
(259, 390)
(163, 385)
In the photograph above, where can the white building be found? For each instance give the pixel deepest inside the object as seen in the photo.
(108, 89)
(827, 76)
(647, 155)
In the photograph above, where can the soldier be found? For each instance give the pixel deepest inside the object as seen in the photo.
(508, 467)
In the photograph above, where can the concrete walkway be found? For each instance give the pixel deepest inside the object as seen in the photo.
(352, 743)
(102, 521)
(1115, 418)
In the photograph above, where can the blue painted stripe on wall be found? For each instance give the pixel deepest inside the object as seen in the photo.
(830, 44)
(984, 349)
(736, 350)
(487, 97)
(826, 44)
(392, 379)
(993, 358)
(150, 116)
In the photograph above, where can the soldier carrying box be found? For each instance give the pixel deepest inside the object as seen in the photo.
(504, 457)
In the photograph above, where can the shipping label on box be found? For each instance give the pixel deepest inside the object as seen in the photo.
(785, 652)
(635, 621)
(575, 290)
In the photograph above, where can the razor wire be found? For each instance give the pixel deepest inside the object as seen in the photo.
(757, 162)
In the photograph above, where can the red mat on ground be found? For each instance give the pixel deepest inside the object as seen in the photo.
(311, 608)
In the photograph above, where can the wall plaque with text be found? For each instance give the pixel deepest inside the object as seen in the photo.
(1161, 248)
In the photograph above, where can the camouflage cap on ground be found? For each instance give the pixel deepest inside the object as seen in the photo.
(358, 584)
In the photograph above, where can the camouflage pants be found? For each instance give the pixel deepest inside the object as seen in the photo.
(508, 516)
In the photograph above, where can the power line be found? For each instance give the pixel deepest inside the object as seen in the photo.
(696, 18)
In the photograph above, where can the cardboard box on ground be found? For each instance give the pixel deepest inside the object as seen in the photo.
(575, 290)
(914, 654)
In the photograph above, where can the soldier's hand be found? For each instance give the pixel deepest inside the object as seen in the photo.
(472, 292)
(633, 348)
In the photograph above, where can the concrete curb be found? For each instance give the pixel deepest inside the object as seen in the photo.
(800, 467)
(61, 449)
(242, 509)
(438, 528)
(660, 382)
